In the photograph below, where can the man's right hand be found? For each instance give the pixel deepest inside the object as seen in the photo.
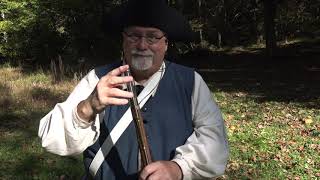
(107, 92)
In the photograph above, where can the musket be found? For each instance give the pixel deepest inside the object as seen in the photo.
(138, 121)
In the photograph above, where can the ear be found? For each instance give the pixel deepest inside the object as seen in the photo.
(166, 44)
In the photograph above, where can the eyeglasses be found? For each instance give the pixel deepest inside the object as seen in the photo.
(150, 38)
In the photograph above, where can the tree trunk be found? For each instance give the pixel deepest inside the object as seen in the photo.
(57, 69)
(269, 26)
(200, 19)
(180, 5)
(219, 40)
(5, 36)
(199, 3)
(254, 27)
(222, 22)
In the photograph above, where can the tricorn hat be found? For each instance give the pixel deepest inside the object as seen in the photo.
(150, 13)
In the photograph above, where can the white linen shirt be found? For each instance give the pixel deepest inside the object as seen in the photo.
(204, 155)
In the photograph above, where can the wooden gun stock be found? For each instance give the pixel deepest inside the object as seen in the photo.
(138, 120)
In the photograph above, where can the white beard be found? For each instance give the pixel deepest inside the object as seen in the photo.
(141, 62)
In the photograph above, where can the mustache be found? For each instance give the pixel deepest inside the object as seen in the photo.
(141, 53)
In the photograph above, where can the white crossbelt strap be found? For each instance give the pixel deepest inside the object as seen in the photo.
(121, 126)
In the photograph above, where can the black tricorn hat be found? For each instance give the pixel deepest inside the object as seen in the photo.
(150, 13)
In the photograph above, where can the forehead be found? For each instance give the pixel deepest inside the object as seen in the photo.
(142, 29)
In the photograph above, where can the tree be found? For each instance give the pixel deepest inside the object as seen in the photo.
(16, 18)
(269, 26)
(71, 29)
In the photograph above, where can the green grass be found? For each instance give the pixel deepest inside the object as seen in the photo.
(271, 140)
(24, 99)
(268, 139)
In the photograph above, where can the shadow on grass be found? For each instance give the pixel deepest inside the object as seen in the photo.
(47, 95)
(21, 163)
(292, 75)
(23, 113)
(39, 166)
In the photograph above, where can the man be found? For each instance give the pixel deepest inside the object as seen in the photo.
(184, 127)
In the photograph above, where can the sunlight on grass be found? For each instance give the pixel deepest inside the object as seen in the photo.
(270, 139)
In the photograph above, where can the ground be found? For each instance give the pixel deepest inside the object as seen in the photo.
(271, 107)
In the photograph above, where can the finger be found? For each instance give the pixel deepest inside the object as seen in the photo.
(117, 101)
(148, 170)
(119, 70)
(156, 176)
(116, 92)
(117, 80)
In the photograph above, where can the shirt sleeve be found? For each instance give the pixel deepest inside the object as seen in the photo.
(61, 131)
(205, 153)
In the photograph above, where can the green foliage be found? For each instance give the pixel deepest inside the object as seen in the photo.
(39, 31)
(16, 19)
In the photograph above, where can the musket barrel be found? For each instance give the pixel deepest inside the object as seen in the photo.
(138, 121)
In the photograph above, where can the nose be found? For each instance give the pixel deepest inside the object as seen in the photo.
(142, 44)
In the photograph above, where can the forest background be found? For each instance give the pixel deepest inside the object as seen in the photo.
(260, 58)
(38, 32)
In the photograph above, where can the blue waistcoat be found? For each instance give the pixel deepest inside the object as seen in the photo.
(167, 121)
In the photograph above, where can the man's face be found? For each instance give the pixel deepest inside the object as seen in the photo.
(144, 49)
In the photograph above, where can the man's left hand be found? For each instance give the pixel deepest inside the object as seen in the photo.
(164, 170)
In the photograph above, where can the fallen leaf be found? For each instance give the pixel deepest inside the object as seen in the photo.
(308, 120)
(234, 166)
(230, 117)
(289, 115)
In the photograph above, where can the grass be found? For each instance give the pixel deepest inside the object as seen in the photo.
(268, 138)
(24, 99)
(271, 140)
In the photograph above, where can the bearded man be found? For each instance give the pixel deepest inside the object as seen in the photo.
(184, 126)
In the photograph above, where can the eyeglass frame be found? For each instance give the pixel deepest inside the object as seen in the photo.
(139, 37)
